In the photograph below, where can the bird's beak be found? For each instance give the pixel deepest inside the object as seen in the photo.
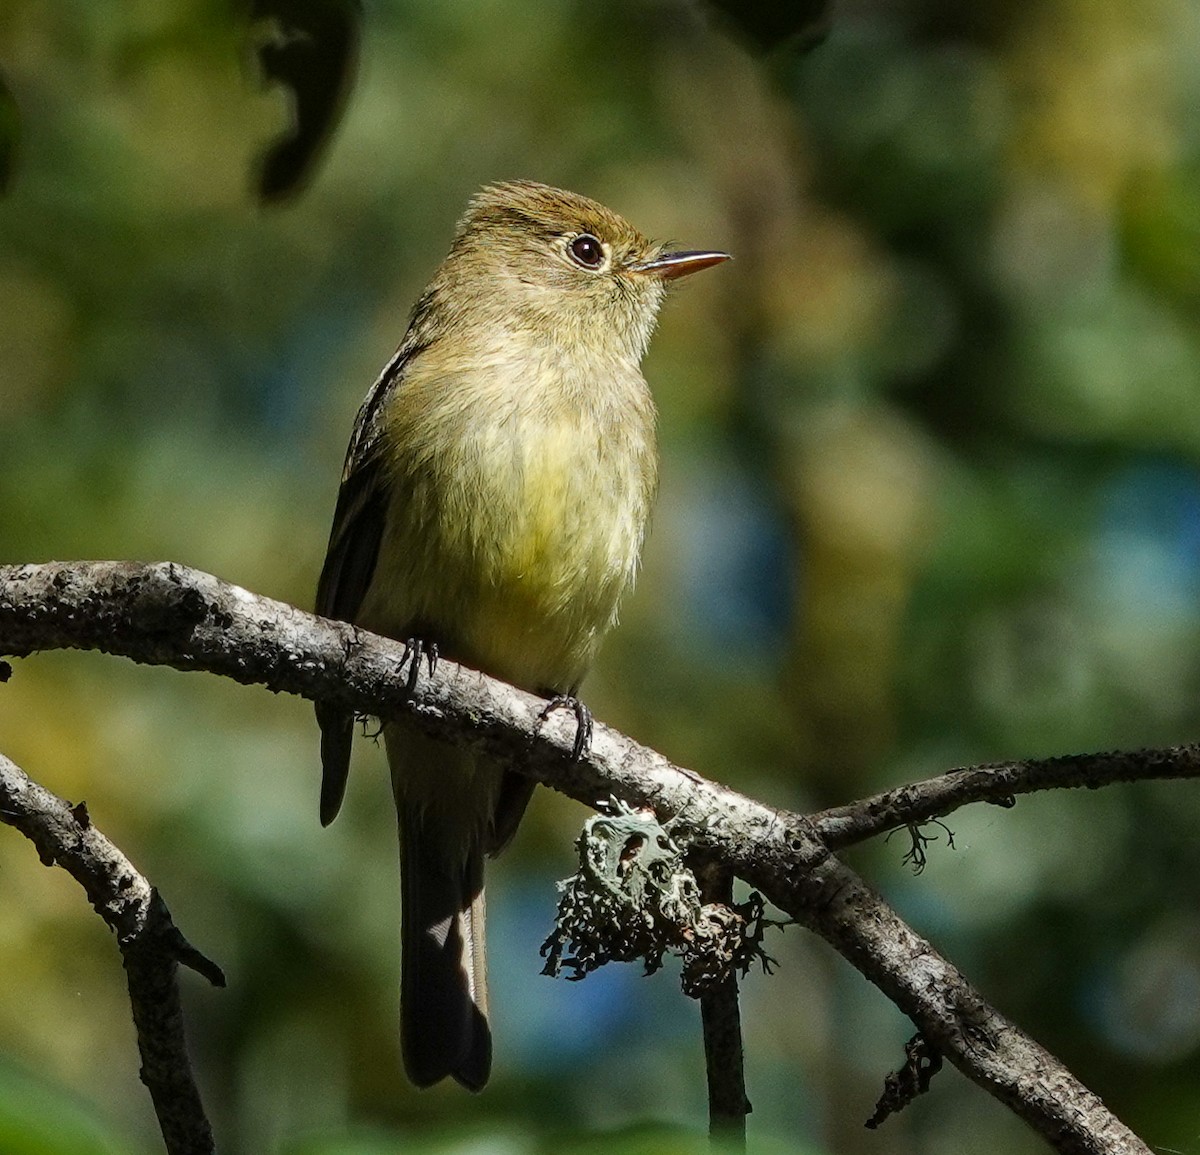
(668, 266)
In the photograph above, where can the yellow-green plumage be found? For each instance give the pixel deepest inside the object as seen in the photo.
(494, 502)
(530, 520)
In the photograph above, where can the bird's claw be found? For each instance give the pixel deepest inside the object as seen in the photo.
(414, 650)
(583, 722)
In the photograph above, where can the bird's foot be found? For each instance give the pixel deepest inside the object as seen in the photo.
(414, 650)
(583, 722)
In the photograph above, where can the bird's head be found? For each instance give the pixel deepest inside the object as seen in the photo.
(541, 258)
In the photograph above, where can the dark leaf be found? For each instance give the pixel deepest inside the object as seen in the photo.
(10, 131)
(311, 48)
(801, 24)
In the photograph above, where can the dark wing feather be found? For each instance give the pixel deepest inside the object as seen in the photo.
(353, 544)
(358, 527)
(345, 578)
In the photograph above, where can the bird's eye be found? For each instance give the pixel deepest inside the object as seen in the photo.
(587, 251)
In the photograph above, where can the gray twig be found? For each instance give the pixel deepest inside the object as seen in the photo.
(151, 946)
(998, 783)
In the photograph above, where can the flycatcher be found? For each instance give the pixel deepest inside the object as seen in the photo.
(492, 510)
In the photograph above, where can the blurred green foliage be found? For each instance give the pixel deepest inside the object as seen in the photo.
(38, 1120)
(931, 496)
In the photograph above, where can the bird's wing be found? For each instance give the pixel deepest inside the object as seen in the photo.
(358, 524)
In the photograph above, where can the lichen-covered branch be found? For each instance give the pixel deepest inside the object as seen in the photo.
(151, 946)
(170, 615)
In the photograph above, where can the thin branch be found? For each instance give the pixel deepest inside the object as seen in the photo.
(721, 1019)
(167, 614)
(151, 946)
(998, 783)
(902, 1086)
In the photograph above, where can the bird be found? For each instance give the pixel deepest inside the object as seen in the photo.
(492, 509)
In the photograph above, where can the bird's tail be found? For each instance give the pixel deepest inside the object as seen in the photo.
(443, 982)
(443, 971)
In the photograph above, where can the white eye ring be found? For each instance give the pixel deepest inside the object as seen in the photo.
(586, 251)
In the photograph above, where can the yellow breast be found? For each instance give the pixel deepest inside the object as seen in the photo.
(517, 518)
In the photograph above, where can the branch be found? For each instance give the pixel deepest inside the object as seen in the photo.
(170, 615)
(150, 944)
(721, 1019)
(998, 783)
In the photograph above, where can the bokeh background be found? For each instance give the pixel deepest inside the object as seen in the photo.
(931, 496)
